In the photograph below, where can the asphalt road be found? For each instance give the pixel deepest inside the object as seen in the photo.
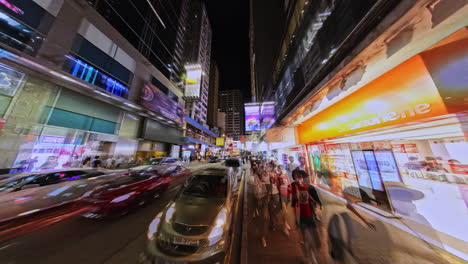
(78, 240)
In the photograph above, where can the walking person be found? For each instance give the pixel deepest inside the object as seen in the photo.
(278, 212)
(304, 201)
(96, 163)
(261, 208)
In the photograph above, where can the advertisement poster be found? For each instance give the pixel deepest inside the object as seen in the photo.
(411, 148)
(193, 81)
(320, 164)
(387, 166)
(398, 148)
(361, 169)
(252, 117)
(10, 80)
(373, 170)
(268, 114)
(220, 141)
(155, 100)
(229, 144)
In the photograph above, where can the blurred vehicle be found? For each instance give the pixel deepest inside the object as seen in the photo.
(23, 181)
(165, 160)
(32, 209)
(214, 159)
(133, 189)
(236, 165)
(195, 226)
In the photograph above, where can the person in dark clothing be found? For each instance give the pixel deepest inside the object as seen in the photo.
(96, 162)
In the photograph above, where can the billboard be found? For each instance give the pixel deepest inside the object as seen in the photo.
(220, 141)
(155, 100)
(268, 114)
(252, 117)
(193, 81)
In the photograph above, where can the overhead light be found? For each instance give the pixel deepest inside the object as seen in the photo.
(131, 105)
(101, 93)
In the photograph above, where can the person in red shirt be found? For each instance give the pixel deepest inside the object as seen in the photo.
(304, 201)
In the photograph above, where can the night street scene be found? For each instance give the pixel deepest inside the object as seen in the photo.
(233, 131)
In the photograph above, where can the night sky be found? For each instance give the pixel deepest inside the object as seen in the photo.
(230, 46)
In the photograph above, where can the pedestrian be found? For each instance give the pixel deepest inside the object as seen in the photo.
(119, 162)
(86, 162)
(96, 163)
(304, 201)
(291, 166)
(277, 208)
(109, 162)
(261, 207)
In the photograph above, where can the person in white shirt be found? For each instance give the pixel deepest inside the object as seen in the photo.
(290, 167)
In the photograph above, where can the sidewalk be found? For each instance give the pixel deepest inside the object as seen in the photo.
(386, 244)
(280, 249)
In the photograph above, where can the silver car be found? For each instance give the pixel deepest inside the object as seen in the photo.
(195, 226)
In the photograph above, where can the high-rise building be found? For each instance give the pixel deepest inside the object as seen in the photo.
(155, 28)
(89, 78)
(231, 103)
(213, 96)
(267, 18)
(197, 59)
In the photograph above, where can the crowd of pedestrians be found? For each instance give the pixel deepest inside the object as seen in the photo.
(281, 196)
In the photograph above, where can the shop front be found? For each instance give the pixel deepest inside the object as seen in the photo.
(159, 140)
(397, 146)
(46, 126)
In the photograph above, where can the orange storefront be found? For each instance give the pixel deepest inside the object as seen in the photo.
(399, 144)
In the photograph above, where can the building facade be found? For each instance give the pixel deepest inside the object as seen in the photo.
(382, 124)
(213, 96)
(198, 55)
(231, 103)
(68, 54)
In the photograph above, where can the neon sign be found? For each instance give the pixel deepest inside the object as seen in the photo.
(90, 74)
(12, 7)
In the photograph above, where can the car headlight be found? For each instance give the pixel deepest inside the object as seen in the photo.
(218, 230)
(153, 227)
(170, 213)
(122, 197)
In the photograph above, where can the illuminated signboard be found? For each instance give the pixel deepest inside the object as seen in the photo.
(268, 114)
(193, 81)
(155, 100)
(90, 74)
(10, 80)
(252, 117)
(12, 7)
(411, 98)
(220, 141)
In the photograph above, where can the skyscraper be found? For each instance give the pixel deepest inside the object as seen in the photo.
(231, 103)
(213, 95)
(198, 56)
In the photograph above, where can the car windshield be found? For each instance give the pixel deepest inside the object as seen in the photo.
(17, 182)
(232, 163)
(207, 186)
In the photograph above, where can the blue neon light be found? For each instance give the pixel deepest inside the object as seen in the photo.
(90, 74)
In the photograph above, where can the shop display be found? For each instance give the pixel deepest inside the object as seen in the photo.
(361, 169)
(387, 166)
(373, 170)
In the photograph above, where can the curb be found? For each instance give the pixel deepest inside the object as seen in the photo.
(244, 240)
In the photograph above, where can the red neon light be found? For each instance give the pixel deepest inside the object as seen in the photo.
(12, 7)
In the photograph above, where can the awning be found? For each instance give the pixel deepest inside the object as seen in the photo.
(197, 141)
(199, 126)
